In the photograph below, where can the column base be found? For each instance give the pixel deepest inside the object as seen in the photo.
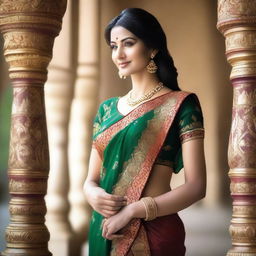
(26, 252)
(242, 251)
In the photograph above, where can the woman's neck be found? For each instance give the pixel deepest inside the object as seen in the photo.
(143, 84)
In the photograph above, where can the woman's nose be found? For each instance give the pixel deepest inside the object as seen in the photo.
(120, 53)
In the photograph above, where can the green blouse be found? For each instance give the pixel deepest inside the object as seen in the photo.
(187, 125)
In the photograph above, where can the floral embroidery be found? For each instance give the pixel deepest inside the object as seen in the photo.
(107, 111)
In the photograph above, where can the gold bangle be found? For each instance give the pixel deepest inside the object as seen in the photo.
(150, 208)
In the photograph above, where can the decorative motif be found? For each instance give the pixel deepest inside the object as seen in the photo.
(27, 234)
(228, 9)
(243, 233)
(240, 40)
(244, 210)
(237, 22)
(103, 138)
(28, 186)
(132, 186)
(49, 6)
(243, 187)
(29, 29)
(243, 133)
(27, 40)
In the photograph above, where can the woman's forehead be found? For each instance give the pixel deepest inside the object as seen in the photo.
(119, 33)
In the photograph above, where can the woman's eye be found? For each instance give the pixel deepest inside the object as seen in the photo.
(128, 43)
(112, 47)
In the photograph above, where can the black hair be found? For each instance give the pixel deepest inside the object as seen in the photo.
(147, 28)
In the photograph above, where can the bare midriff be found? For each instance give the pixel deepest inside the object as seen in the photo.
(159, 181)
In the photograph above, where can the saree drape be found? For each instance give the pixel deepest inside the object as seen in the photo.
(128, 146)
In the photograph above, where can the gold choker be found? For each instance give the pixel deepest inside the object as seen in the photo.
(132, 102)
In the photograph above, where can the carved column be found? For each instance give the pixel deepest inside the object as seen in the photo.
(58, 96)
(82, 112)
(29, 29)
(237, 22)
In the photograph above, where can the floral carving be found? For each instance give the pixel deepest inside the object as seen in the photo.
(49, 6)
(27, 186)
(242, 147)
(245, 210)
(243, 187)
(29, 29)
(29, 236)
(243, 39)
(228, 9)
(26, 39)
(243, 232)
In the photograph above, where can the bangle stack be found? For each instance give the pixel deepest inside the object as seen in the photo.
(150, 207)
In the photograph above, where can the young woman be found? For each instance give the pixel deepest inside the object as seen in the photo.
(139, 141)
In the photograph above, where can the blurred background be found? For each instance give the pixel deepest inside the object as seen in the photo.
(81, 75)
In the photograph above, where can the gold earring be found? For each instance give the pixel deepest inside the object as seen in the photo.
(121, 75)
(152, 67)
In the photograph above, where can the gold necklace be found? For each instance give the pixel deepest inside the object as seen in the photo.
(132, 102)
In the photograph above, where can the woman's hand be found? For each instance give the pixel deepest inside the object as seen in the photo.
(115, 223)
(105, 204)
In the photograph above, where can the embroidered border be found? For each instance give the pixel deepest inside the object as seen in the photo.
(136, 172)
(103, 139)
(190, 135)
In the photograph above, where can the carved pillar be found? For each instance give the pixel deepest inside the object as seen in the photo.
(29, 29)
(237, 22)
(82, 112)
(58, 96)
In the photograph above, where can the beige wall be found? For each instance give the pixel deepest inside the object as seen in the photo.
(198, 51)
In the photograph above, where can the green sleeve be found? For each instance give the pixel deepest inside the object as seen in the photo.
(190, 125)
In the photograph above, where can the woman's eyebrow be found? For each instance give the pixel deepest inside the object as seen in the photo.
(124, 39)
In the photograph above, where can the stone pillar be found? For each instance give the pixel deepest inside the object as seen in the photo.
(237, 22)
(58, 96)
(82, 112)
(29, 29)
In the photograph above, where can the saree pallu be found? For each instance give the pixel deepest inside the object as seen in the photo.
(128, 146)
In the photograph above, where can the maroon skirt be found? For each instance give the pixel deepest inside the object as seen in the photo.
(166, 236)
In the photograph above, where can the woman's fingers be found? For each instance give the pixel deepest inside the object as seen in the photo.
(110, 208)
(114, 236)
(107, 213)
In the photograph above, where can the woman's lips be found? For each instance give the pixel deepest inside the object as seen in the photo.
(123, 64)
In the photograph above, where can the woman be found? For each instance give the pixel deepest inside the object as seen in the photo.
(139, 140)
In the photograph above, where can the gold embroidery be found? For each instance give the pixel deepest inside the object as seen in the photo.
(103, 139)
(191, 126)
(133, 166)
(96, 128)
(137, 170)
(194, 134)
(107, 111)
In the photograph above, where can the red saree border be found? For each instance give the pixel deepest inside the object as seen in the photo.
(103, 139)
(134, 191)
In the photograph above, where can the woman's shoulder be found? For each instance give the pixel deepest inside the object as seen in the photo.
(108, 102)
(106, 105)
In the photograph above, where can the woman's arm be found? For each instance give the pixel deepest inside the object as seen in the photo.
(102, 202)
(171, 202)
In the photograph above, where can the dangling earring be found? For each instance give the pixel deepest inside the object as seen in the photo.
(152, 67)
(121, 75)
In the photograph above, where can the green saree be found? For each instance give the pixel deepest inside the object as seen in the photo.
(129, 146)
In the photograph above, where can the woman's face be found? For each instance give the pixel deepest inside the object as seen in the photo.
(129, 53)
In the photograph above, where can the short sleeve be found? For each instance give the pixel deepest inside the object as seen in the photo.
(187, 125)
(190, 124)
